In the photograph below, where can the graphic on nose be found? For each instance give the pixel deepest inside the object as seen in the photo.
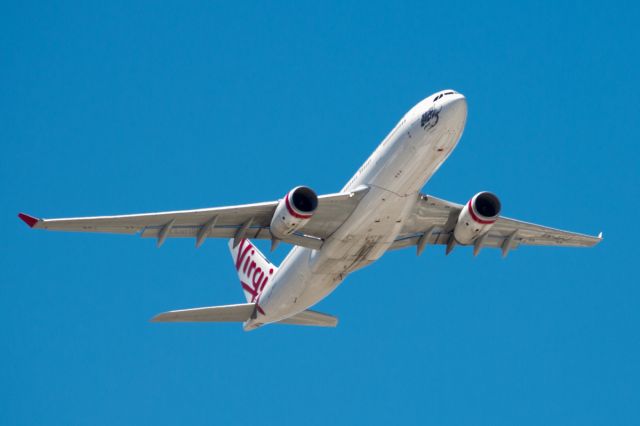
(450, 111)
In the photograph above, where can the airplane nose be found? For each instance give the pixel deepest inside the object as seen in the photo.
(455, 109)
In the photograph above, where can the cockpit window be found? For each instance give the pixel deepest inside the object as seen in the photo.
(442, 94)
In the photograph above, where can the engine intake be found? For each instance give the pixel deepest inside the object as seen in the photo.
(477, 217)
(293, 211)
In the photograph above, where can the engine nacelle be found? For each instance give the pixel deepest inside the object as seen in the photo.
(293, 211)
(477, 217)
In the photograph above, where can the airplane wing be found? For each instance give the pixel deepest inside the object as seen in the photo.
(434, 219)
(247, 221)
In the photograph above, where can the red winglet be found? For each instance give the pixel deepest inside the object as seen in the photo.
(29, 220)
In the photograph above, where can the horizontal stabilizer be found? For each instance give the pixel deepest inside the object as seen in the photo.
(309, 317)
(225, 313)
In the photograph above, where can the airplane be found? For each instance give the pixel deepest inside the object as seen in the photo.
(378, 210)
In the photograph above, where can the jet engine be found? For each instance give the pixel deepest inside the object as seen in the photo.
(293, 211)
(477, 217)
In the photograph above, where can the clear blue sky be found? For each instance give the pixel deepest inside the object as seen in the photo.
(132, 107)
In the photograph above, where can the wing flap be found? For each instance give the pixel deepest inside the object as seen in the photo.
(191, 231)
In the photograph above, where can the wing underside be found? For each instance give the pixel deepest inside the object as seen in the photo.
(250, 220)
(434, 219)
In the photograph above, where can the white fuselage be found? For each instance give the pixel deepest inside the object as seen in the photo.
(395, 172)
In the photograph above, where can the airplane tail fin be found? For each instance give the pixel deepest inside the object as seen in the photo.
(254, 270)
